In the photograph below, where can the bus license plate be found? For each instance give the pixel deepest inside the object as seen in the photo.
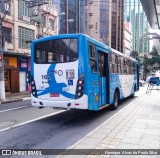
(54, 94)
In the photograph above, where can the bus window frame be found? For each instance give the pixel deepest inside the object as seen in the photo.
(94, 59)
(113, 65)
(35, 52)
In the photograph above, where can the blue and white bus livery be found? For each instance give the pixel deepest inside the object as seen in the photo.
(76, 71)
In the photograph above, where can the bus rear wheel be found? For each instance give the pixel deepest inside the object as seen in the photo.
(115, 100)
(133, 95)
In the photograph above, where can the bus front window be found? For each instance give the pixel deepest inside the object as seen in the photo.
(56, 51)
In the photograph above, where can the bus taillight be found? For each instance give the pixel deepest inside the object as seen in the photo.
(80, 87)
(33, 87)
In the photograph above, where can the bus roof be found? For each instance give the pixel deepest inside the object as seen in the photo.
(124, 55)
(89, 38)
(57, 36)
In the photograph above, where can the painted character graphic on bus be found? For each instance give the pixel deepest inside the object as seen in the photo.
(55, 87)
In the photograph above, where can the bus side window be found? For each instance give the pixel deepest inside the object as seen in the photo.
(122, 65)
(116, 64)
(119, 64)
(110, 62)
(125, 66)
(130, 66)
(114, 61)
(92, 58)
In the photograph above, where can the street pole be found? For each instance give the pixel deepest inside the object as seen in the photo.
(40, 29)
(2, 85)
(38, 4)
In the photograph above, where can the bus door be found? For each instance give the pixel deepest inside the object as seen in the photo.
(103, 78)
(137, 67)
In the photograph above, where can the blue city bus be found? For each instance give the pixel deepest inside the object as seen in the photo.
(74, 71)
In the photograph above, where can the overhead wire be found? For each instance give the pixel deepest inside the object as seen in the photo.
(81, 1)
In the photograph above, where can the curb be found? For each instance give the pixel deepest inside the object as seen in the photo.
(14, 100)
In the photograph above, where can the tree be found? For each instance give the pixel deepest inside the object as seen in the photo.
(153, 63)
(134, 54)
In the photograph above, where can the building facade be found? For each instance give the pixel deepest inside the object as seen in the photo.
(142, 44)
(134, 13)
(97, 20)
(127, 38)
(73, 9)
(101, 20)
(18, 28)
(117, 26)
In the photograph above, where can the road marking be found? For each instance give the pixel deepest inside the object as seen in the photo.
(30, 121)
(72, 146)
(15, 108)
(27, 98)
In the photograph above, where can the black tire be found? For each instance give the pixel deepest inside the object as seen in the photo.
(140, 84)
(115, 100)
(133, 95)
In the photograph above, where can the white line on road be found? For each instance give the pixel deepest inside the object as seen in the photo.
(30, 121)
(15, 108)
(27, 98)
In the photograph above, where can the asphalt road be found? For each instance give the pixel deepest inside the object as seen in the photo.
(48, 128)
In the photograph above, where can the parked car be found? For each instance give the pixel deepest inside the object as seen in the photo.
(141, 83)
(154, 80)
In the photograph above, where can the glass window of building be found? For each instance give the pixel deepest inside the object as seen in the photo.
(5, 7)
(24, 12)
(24, 34)
(7, 33)
(104, 22)
(44, 21)
(51, 24)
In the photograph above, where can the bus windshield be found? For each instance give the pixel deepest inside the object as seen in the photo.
(56, 51)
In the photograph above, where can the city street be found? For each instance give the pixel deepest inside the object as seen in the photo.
(26, 127)
(72, 55)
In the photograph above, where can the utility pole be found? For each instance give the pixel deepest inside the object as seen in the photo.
(38, 17)
(3, 11)
(40, 29)
(2, 87)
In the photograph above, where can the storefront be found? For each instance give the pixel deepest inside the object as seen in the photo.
(11, 74)
(23, 73)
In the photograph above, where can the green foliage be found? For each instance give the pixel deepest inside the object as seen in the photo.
(134, 54)
(149, 63)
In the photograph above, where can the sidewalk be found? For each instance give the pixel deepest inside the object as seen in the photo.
(14, 97)
(136, 126)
